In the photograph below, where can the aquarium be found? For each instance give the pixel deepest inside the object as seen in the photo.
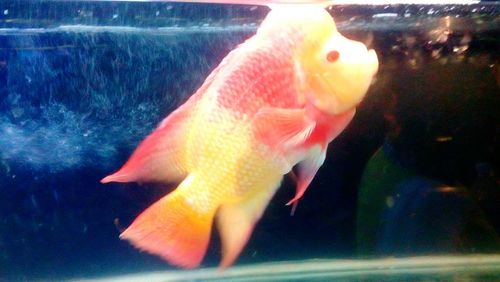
(409, 190)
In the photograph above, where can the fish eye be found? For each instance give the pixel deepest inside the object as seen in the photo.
(333, 56)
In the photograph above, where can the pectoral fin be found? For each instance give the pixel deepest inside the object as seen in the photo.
(282, 128)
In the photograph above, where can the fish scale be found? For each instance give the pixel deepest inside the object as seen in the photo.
(266, 78)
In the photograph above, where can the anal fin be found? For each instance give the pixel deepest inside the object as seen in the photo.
(236, 222)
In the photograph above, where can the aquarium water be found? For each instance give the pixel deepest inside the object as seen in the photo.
(408, 192)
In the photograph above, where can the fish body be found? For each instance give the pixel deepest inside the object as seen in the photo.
(273, 103)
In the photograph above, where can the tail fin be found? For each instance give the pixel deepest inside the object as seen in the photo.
(176, 227)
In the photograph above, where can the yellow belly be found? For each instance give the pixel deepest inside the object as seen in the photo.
(222, 152)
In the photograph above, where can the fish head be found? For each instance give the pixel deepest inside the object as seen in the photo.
(334, 72)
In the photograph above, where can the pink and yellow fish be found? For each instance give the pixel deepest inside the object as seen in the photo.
(273, 103)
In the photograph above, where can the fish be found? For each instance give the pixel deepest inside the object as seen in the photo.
(270, 108)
